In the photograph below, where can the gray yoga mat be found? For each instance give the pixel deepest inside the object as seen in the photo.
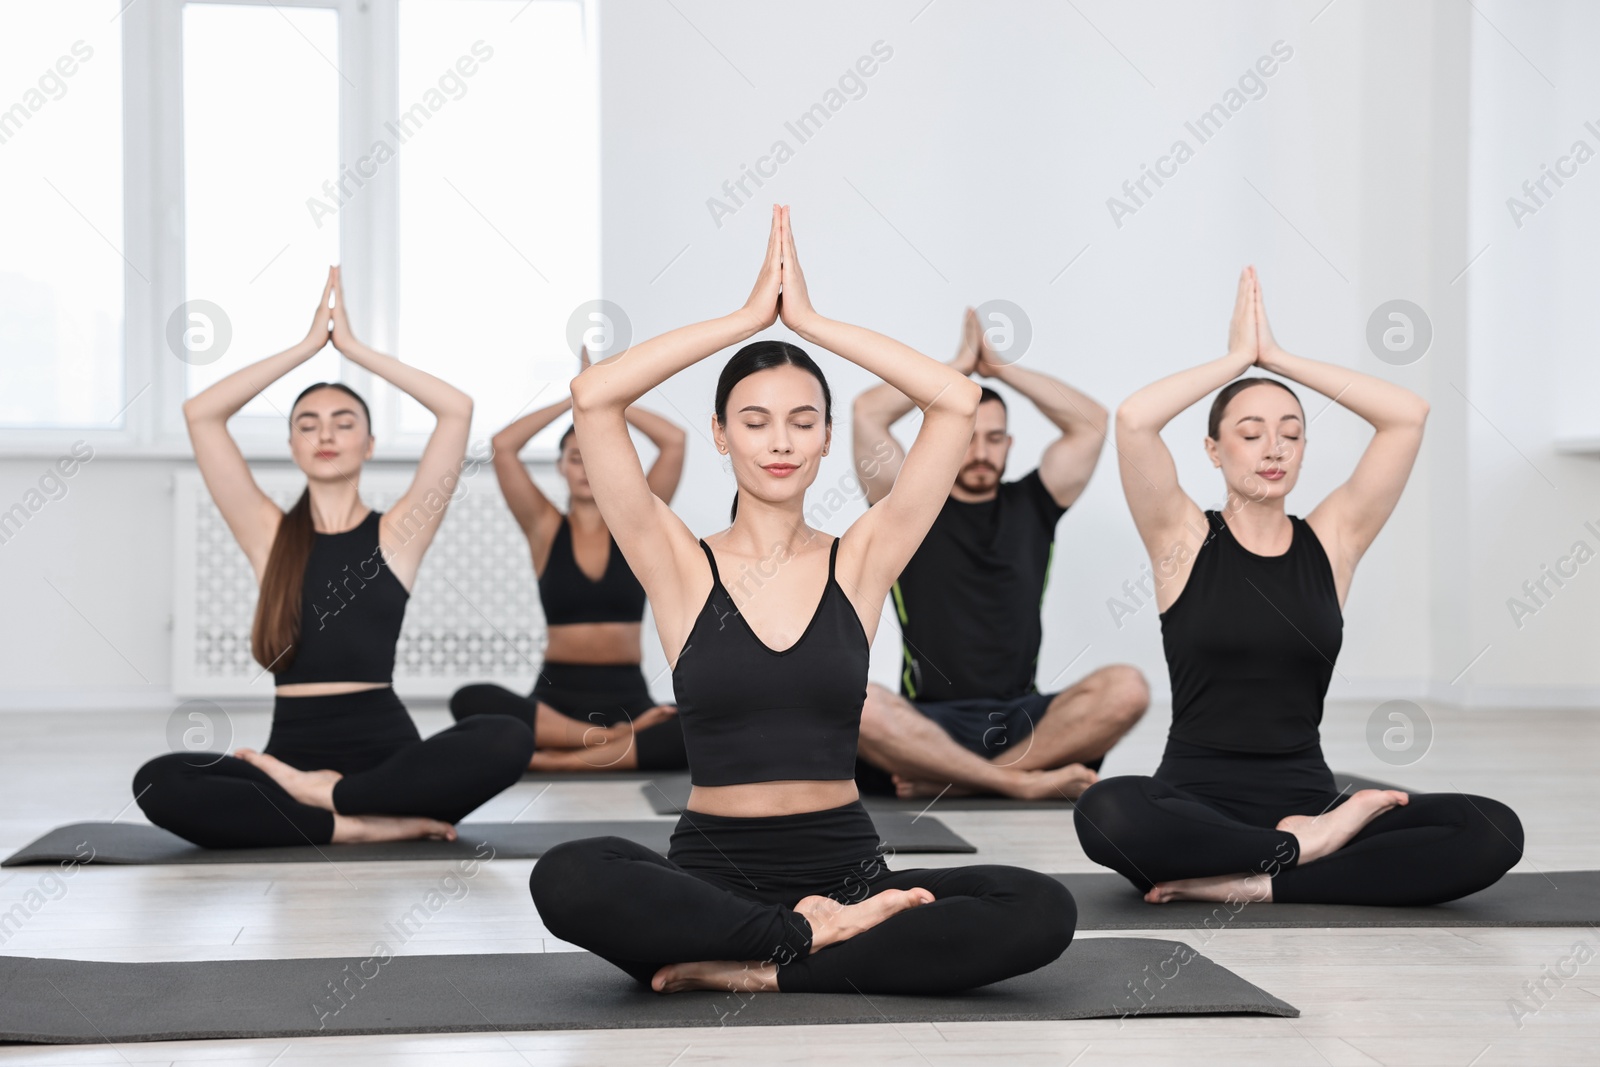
(108, 842)
(1553, 898)
(631, 775)
(669, 794)
(60, 1001)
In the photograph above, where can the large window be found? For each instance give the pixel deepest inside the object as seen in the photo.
(62, 266)
(260, 137)
(444, 151)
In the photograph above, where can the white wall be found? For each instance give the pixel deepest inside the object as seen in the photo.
(1532, 348)
(977, 165)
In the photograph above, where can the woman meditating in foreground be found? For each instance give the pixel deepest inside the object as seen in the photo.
(1251, 600)
(773, 879)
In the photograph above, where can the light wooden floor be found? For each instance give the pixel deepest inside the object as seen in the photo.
(1396, 996)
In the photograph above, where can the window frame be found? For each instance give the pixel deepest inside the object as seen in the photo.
(154, 235)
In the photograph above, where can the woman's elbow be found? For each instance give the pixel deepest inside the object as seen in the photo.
(1129, 419)
(583, 391)
(961, 397)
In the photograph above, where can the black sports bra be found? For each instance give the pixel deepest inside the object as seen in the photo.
(752, 714)
(1251, 643)
(569, 595)
(351, 610)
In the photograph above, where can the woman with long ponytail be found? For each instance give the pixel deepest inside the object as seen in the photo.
(344, 762)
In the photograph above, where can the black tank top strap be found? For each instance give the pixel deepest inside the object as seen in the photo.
(716, 579)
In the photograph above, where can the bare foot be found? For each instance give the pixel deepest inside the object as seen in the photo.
(659, 713)
(1223, 888)
(348, 829)
(915, 787)
(1067, 782)
(1319, 835)
(314, 788)
(832, 921)
(717, 974)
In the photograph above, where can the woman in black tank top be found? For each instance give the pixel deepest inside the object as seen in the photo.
(1243, 805)
(344, 761)
(775, 879)
(590, 709)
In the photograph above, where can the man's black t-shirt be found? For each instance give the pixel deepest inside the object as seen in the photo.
(969, 599)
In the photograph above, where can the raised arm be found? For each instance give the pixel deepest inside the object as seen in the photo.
(1171, 525)
(1349, 518)
(659, 548)
(1070, 459)
(250, 514)
(669, 439)
(409, 527)
(876, 547)
(534, 512)
(875, 450)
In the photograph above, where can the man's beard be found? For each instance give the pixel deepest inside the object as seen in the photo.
(977, 472)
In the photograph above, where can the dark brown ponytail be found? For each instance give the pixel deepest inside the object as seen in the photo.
(276, 630)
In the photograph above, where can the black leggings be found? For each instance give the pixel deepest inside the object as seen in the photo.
(727, 888)
(1208, 813)
(601, 694)
(222, 802)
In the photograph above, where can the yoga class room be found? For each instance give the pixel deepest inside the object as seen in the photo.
(1173, 465)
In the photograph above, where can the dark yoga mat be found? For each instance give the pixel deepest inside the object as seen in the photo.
(668, 795)
(108, 842)
(1554, 898)
(631, 775)
(61, 1001)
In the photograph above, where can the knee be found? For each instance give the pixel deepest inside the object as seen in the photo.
(468, 700)
(158, 786)
(509, 738)
(564, 883)
(1096, 804)
(1499, 832)
(1097, 814)
(461, 701)
(1126, 693)
(1058, 914)
(1047, 914)
(875, 712)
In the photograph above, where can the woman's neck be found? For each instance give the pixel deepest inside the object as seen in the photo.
(335, 505)
(1260, 521)
(760, 528)
(585, 514)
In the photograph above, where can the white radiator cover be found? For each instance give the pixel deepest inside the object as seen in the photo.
(473, 616)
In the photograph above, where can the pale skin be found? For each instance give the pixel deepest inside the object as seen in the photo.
(1084, 720)
(566, 743)
(330, 440)
(776, 435)
(1259, 450)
